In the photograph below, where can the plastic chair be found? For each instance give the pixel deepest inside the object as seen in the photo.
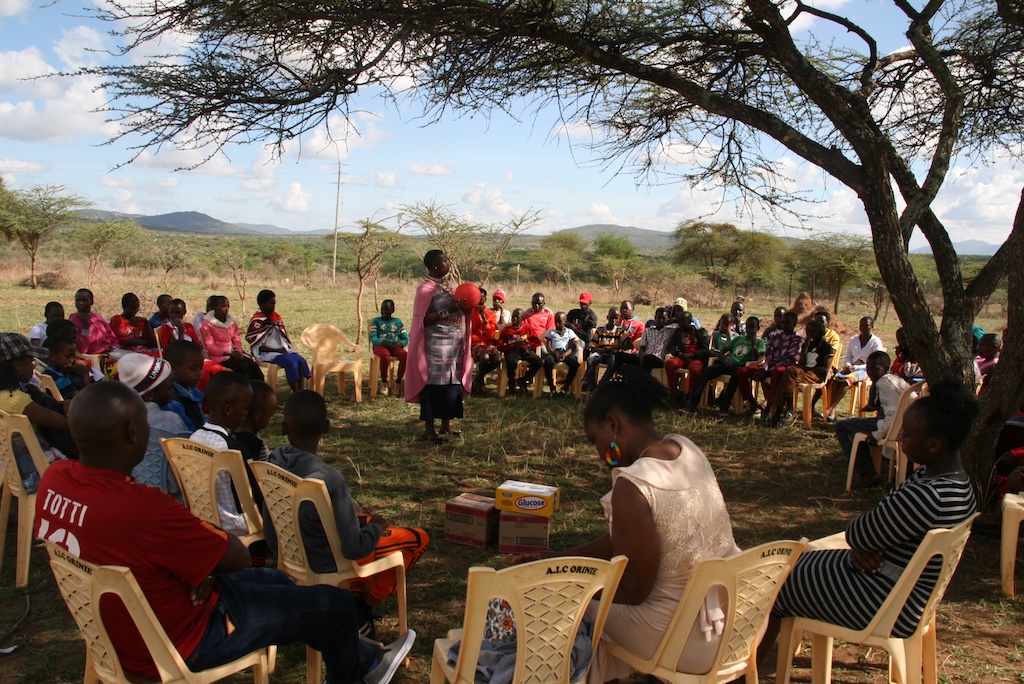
(284, 493)
(324, 340)
(83, 584)
(196, 467)
(806, 391)
(891, 440)
(907, 657)
(17, 424)
(270, 370)
(1013, 515)
(375, 368)
(48, 385)
(577, 382)
(548, 599)
(752, 580)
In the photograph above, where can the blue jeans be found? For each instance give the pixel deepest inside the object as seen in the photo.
(597, 358)
(845, 431)
(267, 608)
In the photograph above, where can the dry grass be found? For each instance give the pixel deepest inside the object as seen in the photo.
(786, 483)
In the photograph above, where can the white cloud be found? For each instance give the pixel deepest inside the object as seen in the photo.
(600, 212)
(422, 168)
(123, 201)
(489, 201)
(510, 177)
(17, 66)
(109, 182)
(20, 166)
(339, 135)
(296, 200)
(63, 118)
(385, 179)
(8, 8)
(577, 130)
(80, 47)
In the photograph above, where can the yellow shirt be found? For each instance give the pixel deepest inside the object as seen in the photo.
(832, 337)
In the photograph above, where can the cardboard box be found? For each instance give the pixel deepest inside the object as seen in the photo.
(524, 497)
(471, 519)
(520, 533)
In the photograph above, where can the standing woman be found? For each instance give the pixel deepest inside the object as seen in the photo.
(440, 369)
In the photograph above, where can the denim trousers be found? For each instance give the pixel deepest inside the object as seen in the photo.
(267, 608)
(845, 431)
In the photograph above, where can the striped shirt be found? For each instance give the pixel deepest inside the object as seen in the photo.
(824, 585)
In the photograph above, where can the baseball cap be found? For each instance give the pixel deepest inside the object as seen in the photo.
(499, 294)
(585, 298)
(141, 372)
(14, 346)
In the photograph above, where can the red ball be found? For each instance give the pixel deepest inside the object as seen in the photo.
(469, 293)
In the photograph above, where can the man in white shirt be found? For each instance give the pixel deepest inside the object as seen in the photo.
(560, 346)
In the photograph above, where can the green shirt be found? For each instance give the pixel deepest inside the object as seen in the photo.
(388, 332)
(742, 350)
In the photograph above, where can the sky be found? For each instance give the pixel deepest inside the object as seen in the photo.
(485, 170)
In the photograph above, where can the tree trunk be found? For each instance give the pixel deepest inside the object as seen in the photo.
(359, 310)
(32, 268)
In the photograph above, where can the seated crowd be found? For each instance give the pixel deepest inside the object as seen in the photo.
(164, 377)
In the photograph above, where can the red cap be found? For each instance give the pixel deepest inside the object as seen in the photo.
(585, 298)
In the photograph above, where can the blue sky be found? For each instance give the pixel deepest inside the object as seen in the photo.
(483, 169)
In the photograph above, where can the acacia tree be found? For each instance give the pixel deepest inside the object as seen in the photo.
(369, 246)
(714, 247)
(838, 260)
(32, 217)
(562, 253)
(719, 76)
(96, 238)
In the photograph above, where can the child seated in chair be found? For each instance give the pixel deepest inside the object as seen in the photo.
(68, 376)
(602, 348)
(517, 344)
(740, 352)
(655, 340)
(228, 396)
(389, 340)
(53, 311)
(365, 536)
(483, 330)
(131, 329)
(560, 347)
(222, 341)
(151, 378)
(812, 366)
(94, 333)
(884, 398)
(257, 418)
(186, 361)
(270, 343)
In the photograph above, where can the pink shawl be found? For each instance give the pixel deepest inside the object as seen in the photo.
(416, 366)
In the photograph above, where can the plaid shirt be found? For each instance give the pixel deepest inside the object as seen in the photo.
(444, 343)
(783, 350)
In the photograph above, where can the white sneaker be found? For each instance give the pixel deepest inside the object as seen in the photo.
(382, 389)
(390, 658)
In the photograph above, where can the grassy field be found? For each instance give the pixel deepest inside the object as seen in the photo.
(780, 484)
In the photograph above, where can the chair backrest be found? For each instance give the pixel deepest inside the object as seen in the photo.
(948, 543)
(324, 339)
(906, 399)
(284, 493)
(196, 466)
(12, 424)
(548, 599)
(48, 385)
(751, 580)
(82, 585)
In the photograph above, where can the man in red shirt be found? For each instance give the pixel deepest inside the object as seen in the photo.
(195, 576)
(538, 318)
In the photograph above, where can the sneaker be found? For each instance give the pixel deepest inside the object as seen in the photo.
(366, 629)
(389, 658)
(788, 418)
(400, 388)
(382, 389)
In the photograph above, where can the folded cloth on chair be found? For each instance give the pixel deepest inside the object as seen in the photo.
(497, 662)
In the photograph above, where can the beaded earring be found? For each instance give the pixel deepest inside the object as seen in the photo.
(613, 455)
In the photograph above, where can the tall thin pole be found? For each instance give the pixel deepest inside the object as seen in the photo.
(337, 211)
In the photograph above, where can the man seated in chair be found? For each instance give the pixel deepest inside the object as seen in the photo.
(365, 536)
(196, 577)
(812, 367)
(602, 348)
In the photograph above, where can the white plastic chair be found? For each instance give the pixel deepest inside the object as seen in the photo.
(324, 341)
(17, 424)
(751, 580)
(909, 657)
(897, 463)
(1013, 515)
(548, 599)
(83, 584)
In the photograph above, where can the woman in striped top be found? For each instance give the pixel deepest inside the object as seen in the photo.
(847, 586)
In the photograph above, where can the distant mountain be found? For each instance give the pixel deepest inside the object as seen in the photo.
(101, 215)
(191, 222)
(265, 228)
(643, 239)
(965, 248)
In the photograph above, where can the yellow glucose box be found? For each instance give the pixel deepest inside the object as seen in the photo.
(524, 497)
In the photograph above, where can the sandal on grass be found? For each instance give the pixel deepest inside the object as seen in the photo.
(436, 440)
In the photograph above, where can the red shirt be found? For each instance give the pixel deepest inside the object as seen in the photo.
(125, 329)
(168, 333)
(483, 327)
(539, 322)
(512, 337)
(106, 518)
